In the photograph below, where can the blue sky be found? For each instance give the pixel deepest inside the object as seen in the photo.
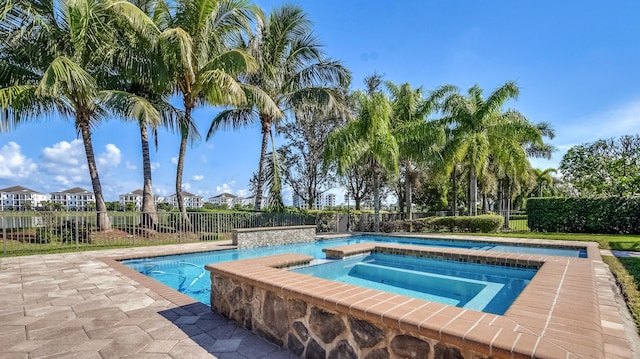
(577, 65)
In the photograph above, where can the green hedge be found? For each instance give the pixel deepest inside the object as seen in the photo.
(611, 215)
(483, 223)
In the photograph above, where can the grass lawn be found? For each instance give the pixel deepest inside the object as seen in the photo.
(626, 270)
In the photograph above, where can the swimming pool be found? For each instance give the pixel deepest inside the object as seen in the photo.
(185, 272)
(482, 287)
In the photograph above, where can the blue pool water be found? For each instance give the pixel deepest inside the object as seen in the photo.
(186, 273)
(487, 288)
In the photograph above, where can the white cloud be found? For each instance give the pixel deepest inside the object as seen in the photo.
(111, 156)
(63, 152)
(623, 119)
(65, 160)
(197, 177)
(174, 160)
(66, 163)
(186, 186)
(242, 192)
(225, 187)
(131, 166)
(15, 164)
(154, 165)
(204, 159)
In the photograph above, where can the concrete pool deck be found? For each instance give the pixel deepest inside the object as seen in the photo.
(84, 305)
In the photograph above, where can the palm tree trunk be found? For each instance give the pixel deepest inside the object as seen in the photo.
(101, 208)
(376, 201)
(179, 171)
(149, 218)
(454, 194)
(473, 193)
(266, 130)
(408, 193)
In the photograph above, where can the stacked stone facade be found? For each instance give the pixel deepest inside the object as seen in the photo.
(311, 331)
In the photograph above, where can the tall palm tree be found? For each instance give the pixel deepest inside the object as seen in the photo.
(419, 139)
(543, 178)
(480, 128)
(291, 70)
(53, 56)
(199, 41)
(369, 136)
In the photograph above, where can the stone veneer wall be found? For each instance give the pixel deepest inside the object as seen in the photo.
(312, 331)
(273, 236)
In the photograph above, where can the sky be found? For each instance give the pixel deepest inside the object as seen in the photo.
(577, 64)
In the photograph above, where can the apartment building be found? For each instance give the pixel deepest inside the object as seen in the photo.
(74, 198)
(20, 198)
(227, 199)
(190, 200)
(322, 201)
(135, 197)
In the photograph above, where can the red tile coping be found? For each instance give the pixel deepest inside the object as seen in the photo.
(556, 316)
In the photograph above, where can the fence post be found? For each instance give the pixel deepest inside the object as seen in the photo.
(76, 225)
(4, 234)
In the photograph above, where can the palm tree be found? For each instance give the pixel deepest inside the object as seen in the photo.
(481, 129)
(291, 70)
(199, 41)
(54, 55)
(369, 137)
(418, 139)
(543, 178)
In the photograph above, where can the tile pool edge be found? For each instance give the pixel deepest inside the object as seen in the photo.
(540, 323)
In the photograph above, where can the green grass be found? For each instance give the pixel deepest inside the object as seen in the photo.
(627, 273)
(622, 242)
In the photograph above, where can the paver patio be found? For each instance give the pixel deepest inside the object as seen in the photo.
(79, 305)
(74, 305)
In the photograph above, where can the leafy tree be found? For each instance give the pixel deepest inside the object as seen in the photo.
(292, 70)
(369, 136)
(419, 140)
(113, 206)
(303, 153)
(200, 44)
(543, 181)
(604, 167)
(482, 131)
(53, 59)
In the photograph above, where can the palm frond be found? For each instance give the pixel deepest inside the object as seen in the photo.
(232, 119)
(65, 78)
(137, 19)
(130, 106)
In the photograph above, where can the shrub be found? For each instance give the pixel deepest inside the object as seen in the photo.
(395, 226)
(484, 223)
(610, 215)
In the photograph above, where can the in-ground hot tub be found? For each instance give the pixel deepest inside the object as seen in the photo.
(482, 287)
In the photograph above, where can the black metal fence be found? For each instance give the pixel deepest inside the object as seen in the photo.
(36, 232)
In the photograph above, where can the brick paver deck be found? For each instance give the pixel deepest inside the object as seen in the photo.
(75, 305)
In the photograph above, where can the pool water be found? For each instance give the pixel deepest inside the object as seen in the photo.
(186, 273)
(487, 288)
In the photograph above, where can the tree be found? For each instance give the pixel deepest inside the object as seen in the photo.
(419, 140)
(543, 179)
(292, 70)
(605, 167)
(53, 60)
(303, 153)
(200, 42)
(482, 130)
(369, 136)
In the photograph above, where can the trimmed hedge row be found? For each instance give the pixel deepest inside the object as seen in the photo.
(483, 223)
(608, 215)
